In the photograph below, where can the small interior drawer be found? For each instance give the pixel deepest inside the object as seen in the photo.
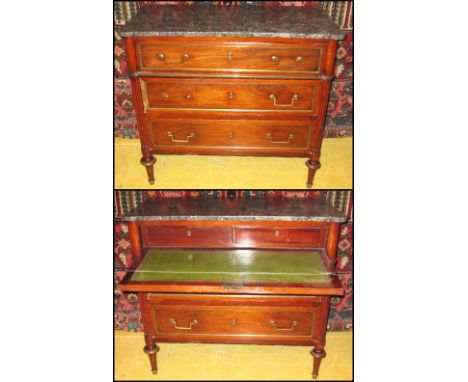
(279, 237)
(173, 236)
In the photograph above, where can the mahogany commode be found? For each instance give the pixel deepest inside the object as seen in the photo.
(241, 80)
(256, 271)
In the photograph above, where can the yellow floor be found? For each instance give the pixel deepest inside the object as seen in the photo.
(233, 172)
(231, 362)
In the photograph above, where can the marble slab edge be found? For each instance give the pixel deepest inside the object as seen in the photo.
(331, 219)
(232, 34)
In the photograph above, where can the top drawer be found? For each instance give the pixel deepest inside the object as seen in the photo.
(235, 57)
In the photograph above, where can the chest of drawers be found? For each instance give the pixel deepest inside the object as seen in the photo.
(231, 80)
(241, 271)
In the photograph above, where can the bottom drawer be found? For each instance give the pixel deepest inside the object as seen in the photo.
(231, 133)
(234, 316)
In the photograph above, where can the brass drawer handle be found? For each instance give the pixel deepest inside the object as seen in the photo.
(189, 233)
(299, 59)
(270, 137)
(229, 56)
(273, 324)
(275, 59)
(162, 57)
(174, 322)
(170, 135)
(230, 134)
(231, 96)
(294, 97)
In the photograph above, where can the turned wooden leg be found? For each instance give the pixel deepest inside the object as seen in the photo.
(148, 161)
(151, 349)
(318, 354)
(313, 166)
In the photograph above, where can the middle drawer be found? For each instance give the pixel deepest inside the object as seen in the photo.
(244, 95)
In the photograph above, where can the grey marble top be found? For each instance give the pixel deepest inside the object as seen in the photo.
(244, 209)
(236, 21)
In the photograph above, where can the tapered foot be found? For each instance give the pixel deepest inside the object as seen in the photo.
(313, 167)
(152, 356)
(318, 354)
(149, 162)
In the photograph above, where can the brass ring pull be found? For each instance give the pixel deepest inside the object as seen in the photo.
(299, 59)
(170, 135)
(294, 98)
(270, 137)
(230, 56)
(162, 57)
(189, 233)
(174, 322)
(275, 59)
(273, 324)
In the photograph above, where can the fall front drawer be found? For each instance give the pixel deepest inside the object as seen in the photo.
(154, 235)
(293, 134)
(235, 57)
(245, 95)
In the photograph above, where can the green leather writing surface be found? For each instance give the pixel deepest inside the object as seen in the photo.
(232, 266)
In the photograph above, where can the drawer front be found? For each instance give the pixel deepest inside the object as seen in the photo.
(232, 133)
(233, 95)
(279, 237)
(231, 57)
(270, 321)
(186, 236)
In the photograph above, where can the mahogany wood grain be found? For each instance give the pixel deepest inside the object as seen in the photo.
(215, 312)
(279, 237)
(151, 348)
(135, 241)
(332, 241)
(186, 236)
(242, 95)
(254, 321)
(263, 79)
(191, 133)
(147, 159)
(229, 56)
